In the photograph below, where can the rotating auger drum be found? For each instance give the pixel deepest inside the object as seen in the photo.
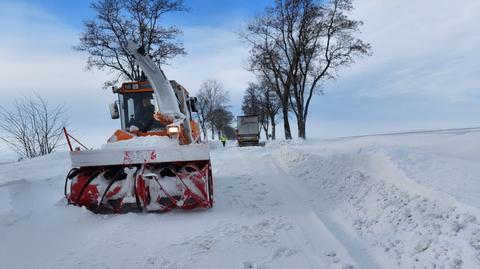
(153, 187)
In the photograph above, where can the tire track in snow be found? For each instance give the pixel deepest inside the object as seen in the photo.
(357, 250)
(323, 241)
(268, 209)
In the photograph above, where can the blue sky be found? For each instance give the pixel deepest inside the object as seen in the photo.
(423, 72)
(201, 12)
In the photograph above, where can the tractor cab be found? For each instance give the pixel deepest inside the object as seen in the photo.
(136, 107)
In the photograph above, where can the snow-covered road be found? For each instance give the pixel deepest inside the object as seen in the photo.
(406, 201)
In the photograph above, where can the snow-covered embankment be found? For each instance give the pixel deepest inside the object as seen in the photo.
(414, 199)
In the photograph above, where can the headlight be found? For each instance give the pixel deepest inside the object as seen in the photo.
(172, 130)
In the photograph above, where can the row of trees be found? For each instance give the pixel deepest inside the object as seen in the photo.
(260, 99)
(296, 45)
(213, 113)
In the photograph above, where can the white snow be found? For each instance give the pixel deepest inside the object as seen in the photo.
(146, 149)
(142, 142)
(401, 201)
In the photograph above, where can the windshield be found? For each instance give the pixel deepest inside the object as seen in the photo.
(138, 109)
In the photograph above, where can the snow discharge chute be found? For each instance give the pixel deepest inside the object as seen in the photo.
(164, 93)
(156, 161)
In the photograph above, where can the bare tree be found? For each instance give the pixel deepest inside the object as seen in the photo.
(32, 128)
(220, 118)
(298, 44)
(229, 132)
(253, 103)
(203, 110)
(260, 99)
(271, 104)
(118, 21)
(269, 60)
(211, 97)
(325, 42)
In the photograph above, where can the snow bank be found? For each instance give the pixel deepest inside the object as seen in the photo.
(36, 169)
(7, 157)
(364, 185)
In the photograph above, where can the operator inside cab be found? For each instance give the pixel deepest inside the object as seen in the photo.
(145, 118)
(144, 114)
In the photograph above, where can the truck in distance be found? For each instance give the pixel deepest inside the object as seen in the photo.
(248, 130)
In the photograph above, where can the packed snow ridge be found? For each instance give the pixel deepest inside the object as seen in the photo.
(402, 201)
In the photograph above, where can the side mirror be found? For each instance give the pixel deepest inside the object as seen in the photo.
(192, 103)
(114, 110)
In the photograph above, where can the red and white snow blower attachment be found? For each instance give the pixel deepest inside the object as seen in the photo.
(156, 162)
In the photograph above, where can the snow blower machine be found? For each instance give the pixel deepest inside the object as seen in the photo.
(156, 162)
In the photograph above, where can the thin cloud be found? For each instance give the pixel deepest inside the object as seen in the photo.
(213, 53)
(426, 48)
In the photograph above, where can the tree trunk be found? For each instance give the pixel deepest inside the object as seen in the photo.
(265, 129)
(301, 126)
(204, 129)
(205, 135)
(272, 120)
(213, 133)
(273, 131)
(301, 130)
(286, 123)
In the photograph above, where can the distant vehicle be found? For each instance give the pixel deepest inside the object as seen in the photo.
(248, 130)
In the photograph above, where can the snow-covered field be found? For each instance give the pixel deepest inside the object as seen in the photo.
(398, 201)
